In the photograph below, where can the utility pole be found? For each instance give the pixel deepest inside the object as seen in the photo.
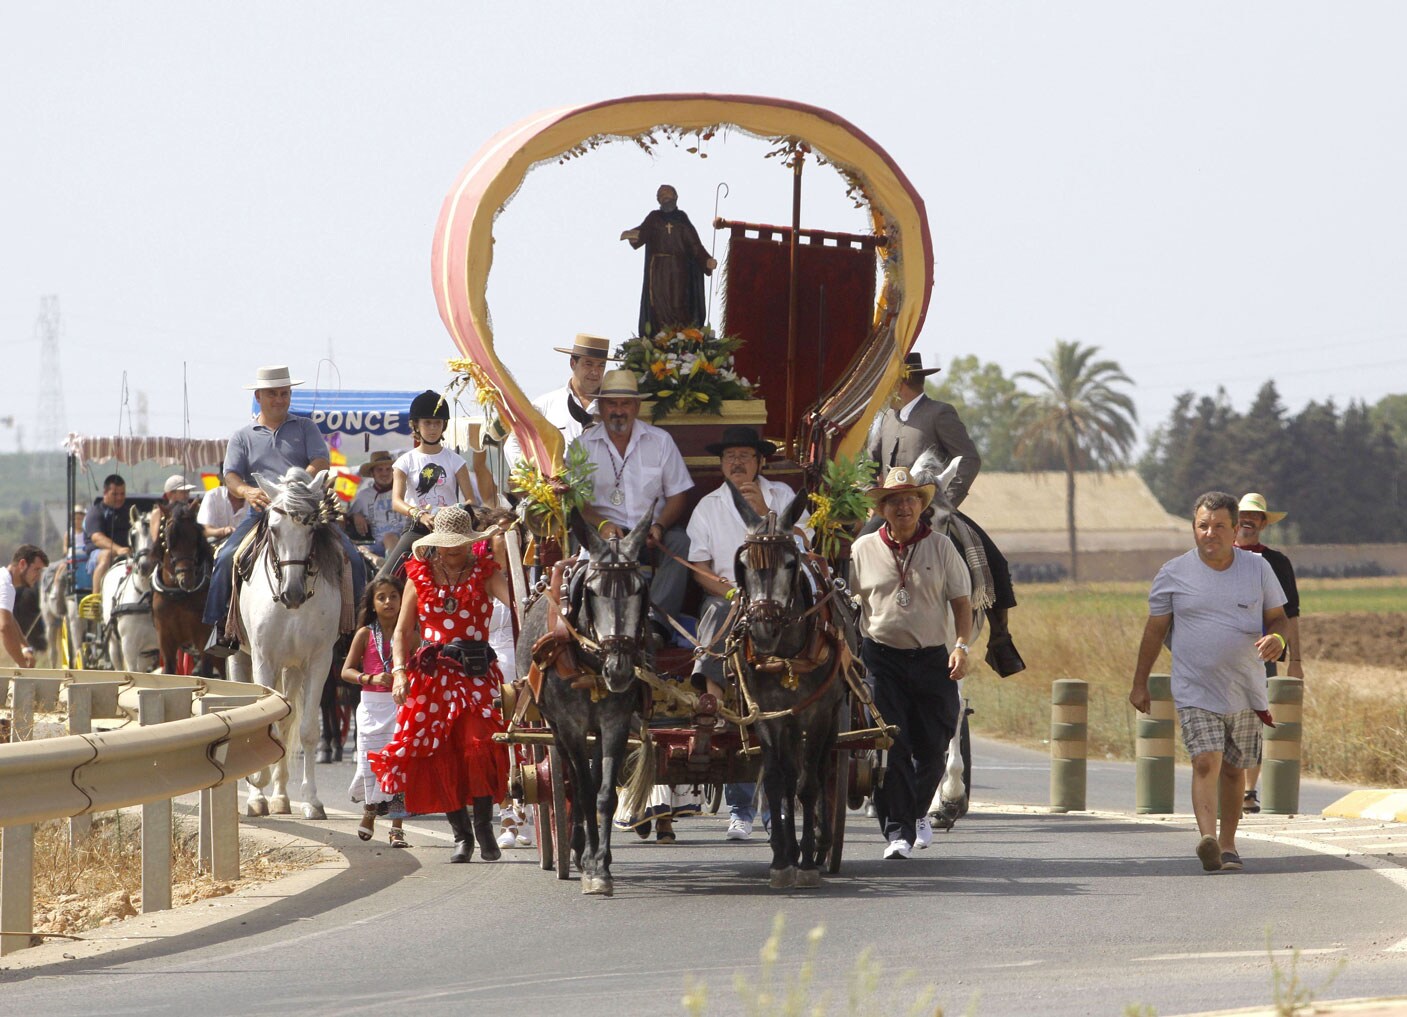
(141, 412)
(52, 426)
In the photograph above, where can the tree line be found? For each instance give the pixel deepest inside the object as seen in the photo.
(1340, 472)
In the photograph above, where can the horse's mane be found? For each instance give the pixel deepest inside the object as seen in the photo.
(928, 468)
(300, 498)
(183, 530)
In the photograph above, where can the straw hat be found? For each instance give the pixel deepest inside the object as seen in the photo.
(619, 385)
(273, 377)
(1254, 502)
(900, 481)
(589, 346)
(453, 528)
(378, 458)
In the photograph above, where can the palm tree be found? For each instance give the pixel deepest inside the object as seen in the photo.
(1075, 418)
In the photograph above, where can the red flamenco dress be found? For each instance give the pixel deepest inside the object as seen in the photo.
(442, 755)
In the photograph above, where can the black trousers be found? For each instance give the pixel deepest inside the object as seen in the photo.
(912, 690)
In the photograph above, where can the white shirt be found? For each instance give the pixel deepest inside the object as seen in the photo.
(7, 590)
(430, 479)
(717, 530)
(554, 406)
(908, 407)
(216, 512)
(376, 507)
(650, 471)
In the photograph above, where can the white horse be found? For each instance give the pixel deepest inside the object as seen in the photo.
(290, 609)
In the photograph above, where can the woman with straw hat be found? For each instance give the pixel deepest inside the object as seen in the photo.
(445, 678)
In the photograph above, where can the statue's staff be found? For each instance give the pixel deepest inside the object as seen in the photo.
(713, 243)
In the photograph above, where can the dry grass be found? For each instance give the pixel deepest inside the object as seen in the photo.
(1355, 715)
(99, 882)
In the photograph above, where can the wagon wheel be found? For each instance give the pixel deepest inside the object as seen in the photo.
(561, 826)
(837, 792)
(542, 819)
(69, 656)
(713, 798)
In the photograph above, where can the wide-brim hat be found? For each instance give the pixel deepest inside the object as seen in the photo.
(453, 528)
(1255, 502)
(913, 367)
(621, 384)
(741, 436)
(378, 458)
(900, 481)
(273, 377)
(586, 345)
(176, 482)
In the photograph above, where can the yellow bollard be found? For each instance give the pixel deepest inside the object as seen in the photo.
(1280, 767)
(1153, 770)
(1069, 743)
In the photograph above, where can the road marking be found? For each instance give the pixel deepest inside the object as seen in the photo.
(1238, 954)
(1397, 947)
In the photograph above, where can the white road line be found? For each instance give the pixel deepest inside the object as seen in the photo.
(1238, 954)
(1397, 947)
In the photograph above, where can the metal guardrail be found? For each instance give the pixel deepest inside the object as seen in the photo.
(190, 734)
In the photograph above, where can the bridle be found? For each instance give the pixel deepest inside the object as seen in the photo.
(178, 567)
(275, 565)
(617, 576)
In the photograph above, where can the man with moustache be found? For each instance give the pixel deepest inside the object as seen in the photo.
(638, 471)
(1216, 601)
(569, 408)
(716, 531)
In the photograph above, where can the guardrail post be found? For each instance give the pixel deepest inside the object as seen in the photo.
(219, 806)
(80, 722)
(1069, 743)
(17, 842)
(157, 706)
(1280, 770)
(1153, 770)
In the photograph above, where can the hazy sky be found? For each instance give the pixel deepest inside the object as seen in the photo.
(1214, 193)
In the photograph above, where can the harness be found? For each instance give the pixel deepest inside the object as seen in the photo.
(168, 566)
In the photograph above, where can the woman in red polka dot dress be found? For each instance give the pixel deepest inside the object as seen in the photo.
(442, 755)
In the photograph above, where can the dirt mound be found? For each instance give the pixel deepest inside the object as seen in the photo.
(1362, 638)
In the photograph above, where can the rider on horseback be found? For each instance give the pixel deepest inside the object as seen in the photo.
(274, 442)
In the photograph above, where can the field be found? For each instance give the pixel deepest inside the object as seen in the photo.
(1353, 630)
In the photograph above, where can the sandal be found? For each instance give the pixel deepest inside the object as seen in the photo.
(396, 838)
(368, 827)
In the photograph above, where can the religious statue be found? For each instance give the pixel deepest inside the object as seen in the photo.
(672, 294)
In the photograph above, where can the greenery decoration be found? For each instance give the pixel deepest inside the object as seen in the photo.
(686, 370)
(548, 501)
(840, 502)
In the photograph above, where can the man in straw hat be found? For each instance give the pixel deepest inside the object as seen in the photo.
(373, 513)
(911, 426)
(638, 471)
(908, 577)
(569, 408)
(1252, 517)
(716, 531)
(271, 444)
(1215, 601)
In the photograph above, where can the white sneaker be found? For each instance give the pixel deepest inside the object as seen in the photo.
(923, 833)
(898, 848)
(869, 809)
(525, 836)
(739, 829)
(508, 838)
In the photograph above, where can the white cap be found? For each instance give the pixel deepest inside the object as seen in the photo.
(178, 483)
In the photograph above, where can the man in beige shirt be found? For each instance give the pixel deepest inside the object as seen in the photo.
(907, 577)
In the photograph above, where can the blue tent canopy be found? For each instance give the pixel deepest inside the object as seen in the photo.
(354, 412)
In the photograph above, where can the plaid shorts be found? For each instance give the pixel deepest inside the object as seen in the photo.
(1235, 735)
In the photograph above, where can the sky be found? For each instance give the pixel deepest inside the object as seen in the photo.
(1212, 193)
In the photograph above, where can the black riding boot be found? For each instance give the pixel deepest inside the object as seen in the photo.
(1002, 656)
(463, 836)
(489, 850)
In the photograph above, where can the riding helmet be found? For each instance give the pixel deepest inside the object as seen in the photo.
(429, 405)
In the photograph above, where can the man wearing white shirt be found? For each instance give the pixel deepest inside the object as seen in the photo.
(716, 531)
(220, 512)
(24, 570)
(638, 471)
(569, 408)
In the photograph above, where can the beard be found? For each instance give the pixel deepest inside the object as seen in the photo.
(619, 424)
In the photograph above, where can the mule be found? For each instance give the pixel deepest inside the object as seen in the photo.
(178, 566)
(290, 608)
(797, 639)
(589, 686)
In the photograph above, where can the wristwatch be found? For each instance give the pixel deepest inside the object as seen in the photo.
(960, 645)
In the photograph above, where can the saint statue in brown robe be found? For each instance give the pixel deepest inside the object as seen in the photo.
(672, 294)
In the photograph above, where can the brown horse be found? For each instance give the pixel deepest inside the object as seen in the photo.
(179, 563)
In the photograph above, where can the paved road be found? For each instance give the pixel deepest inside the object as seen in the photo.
(1023, 912)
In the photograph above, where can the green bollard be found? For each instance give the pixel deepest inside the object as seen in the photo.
(1153, 771)
(1069, 743)
(1280, 766)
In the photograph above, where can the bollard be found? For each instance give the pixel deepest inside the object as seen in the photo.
(1153, 771)
(1069, 743)
(1280, 767)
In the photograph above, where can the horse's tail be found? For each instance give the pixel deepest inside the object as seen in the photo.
(638, 775)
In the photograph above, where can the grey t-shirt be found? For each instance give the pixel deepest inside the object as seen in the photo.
(1217, 618)
(256, 449)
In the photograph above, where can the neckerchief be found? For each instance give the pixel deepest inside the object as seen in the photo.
(923, 530)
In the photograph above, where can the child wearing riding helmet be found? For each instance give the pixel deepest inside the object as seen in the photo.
(430, 476)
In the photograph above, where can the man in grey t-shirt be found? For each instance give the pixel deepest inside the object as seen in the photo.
(1222, 600)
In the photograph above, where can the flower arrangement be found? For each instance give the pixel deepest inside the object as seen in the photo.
(840, 503)
(548, 501)
(686, 370)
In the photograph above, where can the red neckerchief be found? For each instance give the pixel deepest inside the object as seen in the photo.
(923, 530)
(1257, 548)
